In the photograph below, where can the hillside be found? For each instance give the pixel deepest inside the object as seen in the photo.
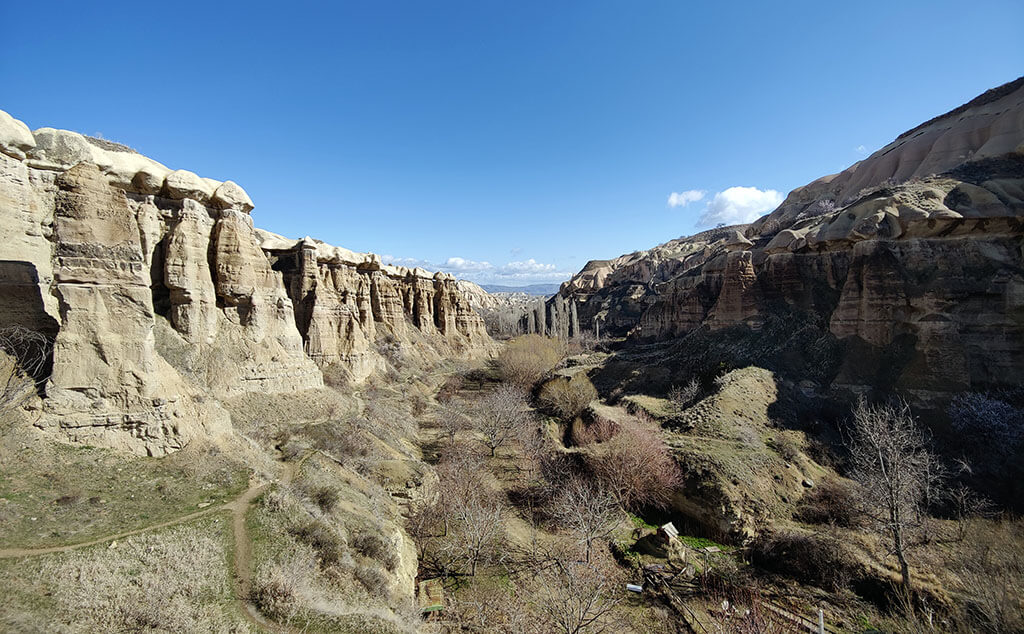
(906, 265)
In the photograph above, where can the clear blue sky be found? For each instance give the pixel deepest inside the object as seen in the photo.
(529, 135)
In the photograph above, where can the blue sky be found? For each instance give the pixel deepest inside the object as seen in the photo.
(508, 141)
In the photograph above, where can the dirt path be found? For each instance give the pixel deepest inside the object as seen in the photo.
(243, 548)
(238, 507)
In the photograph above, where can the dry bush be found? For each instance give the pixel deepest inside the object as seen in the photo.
(685, 395)
(453, 384)
(345, 442)
(816, 559)
(321, 535)
(525, 360)
(373, 579)
(636, 467)
(599, 430)
(173, 581)
(500, 415)
(370, 544)
(832, 502)
(567, 397)
(991, 579)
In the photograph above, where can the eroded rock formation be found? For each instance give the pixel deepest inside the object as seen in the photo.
(912, 258)
(161, 296)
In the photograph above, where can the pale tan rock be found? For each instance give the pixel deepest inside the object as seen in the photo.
(230, 196)
(185, 184)
(15, 137)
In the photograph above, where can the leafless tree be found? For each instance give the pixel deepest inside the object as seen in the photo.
(453, 417)
(890, 458)
(501, 415)
(636, 468)
(966, 505)
(572, 597)
(588, 511)
(465, 525)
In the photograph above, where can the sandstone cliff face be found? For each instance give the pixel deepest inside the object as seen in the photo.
(161, 296)
(912, 258)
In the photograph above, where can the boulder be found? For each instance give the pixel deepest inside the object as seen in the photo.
(181, 184)
(15, 138)
(231, 196)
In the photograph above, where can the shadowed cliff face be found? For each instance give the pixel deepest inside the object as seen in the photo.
(162, 297)
(912, 259)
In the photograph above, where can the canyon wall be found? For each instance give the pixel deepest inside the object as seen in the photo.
(160, 296)
(913, 260)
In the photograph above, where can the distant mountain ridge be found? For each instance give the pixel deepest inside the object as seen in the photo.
(541, 290)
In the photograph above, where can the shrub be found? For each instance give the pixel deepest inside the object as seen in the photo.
(525, 360)
(684, 396)
(985, 421)
(325, 497)
(567, 397)
(817, 559)
(373, 579)
(831, 502)
(369, 544)
(315, 532)
(598, 430)
(636, 467)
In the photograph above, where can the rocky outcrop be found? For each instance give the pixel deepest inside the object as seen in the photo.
(912, 259)
(347, 302)
(161, 296)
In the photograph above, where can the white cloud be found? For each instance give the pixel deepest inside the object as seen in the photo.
(739, 205)
(860, 149)
(682, 199)
(485, 272)
(459, 265)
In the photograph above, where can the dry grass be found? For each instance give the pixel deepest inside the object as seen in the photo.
(175, 580)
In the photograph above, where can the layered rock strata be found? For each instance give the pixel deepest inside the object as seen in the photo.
(161, 296)
(913, 258)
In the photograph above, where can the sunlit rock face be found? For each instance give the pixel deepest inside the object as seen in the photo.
(911, 257)
(161, 296)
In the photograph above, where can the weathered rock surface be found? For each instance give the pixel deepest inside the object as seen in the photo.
(911, 257)
(162, 297)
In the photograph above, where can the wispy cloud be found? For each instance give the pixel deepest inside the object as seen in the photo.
(860, 149)
(682, 199)
(739, 205)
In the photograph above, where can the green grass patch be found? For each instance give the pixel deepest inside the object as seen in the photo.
(53, 494)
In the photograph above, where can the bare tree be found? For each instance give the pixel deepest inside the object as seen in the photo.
(501, 415)
(572, 597)
(966, 505)
(452, 418)
(588, 511)
(465, 525)
(890, 458)
(637, 469)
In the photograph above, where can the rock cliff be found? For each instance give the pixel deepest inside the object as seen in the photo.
(910, 261)
(160, 296)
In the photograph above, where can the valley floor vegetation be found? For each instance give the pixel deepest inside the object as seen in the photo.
(533, 501)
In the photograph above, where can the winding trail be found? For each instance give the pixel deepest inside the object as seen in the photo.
(243, 563)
